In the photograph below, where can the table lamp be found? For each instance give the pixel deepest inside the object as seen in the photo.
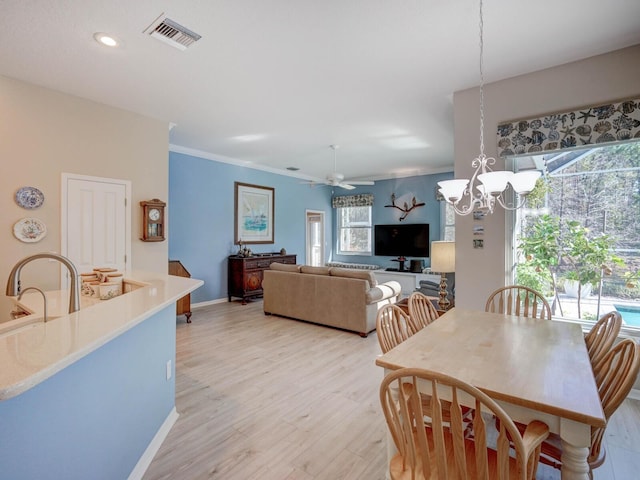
(443, 260)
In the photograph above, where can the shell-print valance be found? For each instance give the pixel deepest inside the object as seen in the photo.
(612, 122)
(361, 200)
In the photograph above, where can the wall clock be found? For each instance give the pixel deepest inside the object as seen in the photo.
(152, 220)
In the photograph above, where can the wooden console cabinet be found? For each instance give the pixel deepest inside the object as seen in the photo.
(183, 305)
(245, 273)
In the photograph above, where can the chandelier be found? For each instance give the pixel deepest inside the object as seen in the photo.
(486, 186)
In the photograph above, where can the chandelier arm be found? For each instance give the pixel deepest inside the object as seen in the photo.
(481, 167)
(521, 199)
(466, 210)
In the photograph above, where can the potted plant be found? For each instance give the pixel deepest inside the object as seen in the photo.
(574, 288)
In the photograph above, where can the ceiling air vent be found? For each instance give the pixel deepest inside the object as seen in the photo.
(171, 32)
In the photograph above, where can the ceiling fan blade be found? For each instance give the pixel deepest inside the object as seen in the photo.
(361, 182)
(312, 183)
(346, 186)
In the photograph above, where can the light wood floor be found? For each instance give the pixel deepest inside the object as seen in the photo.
(262, 397)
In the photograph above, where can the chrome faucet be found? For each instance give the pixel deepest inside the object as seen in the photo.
(13, 283)
(44, 297)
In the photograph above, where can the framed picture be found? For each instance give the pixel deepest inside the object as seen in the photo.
(254, 214)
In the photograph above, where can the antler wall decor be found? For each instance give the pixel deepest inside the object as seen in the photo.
(406, 208)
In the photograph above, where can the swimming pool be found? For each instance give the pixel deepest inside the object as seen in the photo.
(630, 314)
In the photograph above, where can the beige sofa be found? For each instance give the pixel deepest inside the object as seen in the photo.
(336, 297)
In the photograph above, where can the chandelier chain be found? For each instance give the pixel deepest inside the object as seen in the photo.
(487, 188)
(481, 83)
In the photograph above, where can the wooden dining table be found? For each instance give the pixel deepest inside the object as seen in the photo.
(535, 369)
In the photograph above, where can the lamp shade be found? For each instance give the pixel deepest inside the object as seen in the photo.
(495, 182)
(443, 257)
(524, 182)
(453, 190)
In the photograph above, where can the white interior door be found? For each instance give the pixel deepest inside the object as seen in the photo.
(315, 238)
(95, 222)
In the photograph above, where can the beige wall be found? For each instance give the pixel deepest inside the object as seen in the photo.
(44, 133)
(596, 80)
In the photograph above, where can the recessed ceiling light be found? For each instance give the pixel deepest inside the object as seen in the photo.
(106, 39)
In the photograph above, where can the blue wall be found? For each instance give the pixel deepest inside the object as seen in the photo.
(423, 188)
(95, 418)
(201, 217)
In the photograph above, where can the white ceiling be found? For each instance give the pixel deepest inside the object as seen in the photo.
(374, 76)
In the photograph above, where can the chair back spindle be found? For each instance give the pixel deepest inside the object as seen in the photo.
(392, 327)
(601, 337)
(421, 311)
(518, 300)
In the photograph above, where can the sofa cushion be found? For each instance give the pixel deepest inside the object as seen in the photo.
(360, 274)
(315, 270)
(283, 267)
(382, 291)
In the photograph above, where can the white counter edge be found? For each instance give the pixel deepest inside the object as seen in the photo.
(101, 324)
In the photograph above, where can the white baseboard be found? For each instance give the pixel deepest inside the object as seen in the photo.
(145, 460)
(209, 302)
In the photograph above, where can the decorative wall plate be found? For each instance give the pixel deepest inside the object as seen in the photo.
(29, 197)
(29, 230)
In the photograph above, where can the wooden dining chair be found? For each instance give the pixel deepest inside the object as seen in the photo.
(441, 451)
(392, 327)
(421, 311)
(600, 338)
(617, 374)
(519, 300)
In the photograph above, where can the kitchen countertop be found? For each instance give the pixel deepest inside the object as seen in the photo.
(32, 350)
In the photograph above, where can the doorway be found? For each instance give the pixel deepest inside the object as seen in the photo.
(95, 223)
(315, 238)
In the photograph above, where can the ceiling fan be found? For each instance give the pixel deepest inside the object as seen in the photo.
(336, 179)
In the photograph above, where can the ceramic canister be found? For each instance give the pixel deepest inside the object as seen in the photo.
(86, 289)
(115, 277)
(95, 289)
(103, 272)
(89, 277)
(108, 290)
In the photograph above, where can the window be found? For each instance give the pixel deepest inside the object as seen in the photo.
(447, 222)
(581, 226)
(353, 214)
(583, 218)
(354, 230)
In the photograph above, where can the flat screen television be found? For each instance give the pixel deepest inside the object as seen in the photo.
(406, 240)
